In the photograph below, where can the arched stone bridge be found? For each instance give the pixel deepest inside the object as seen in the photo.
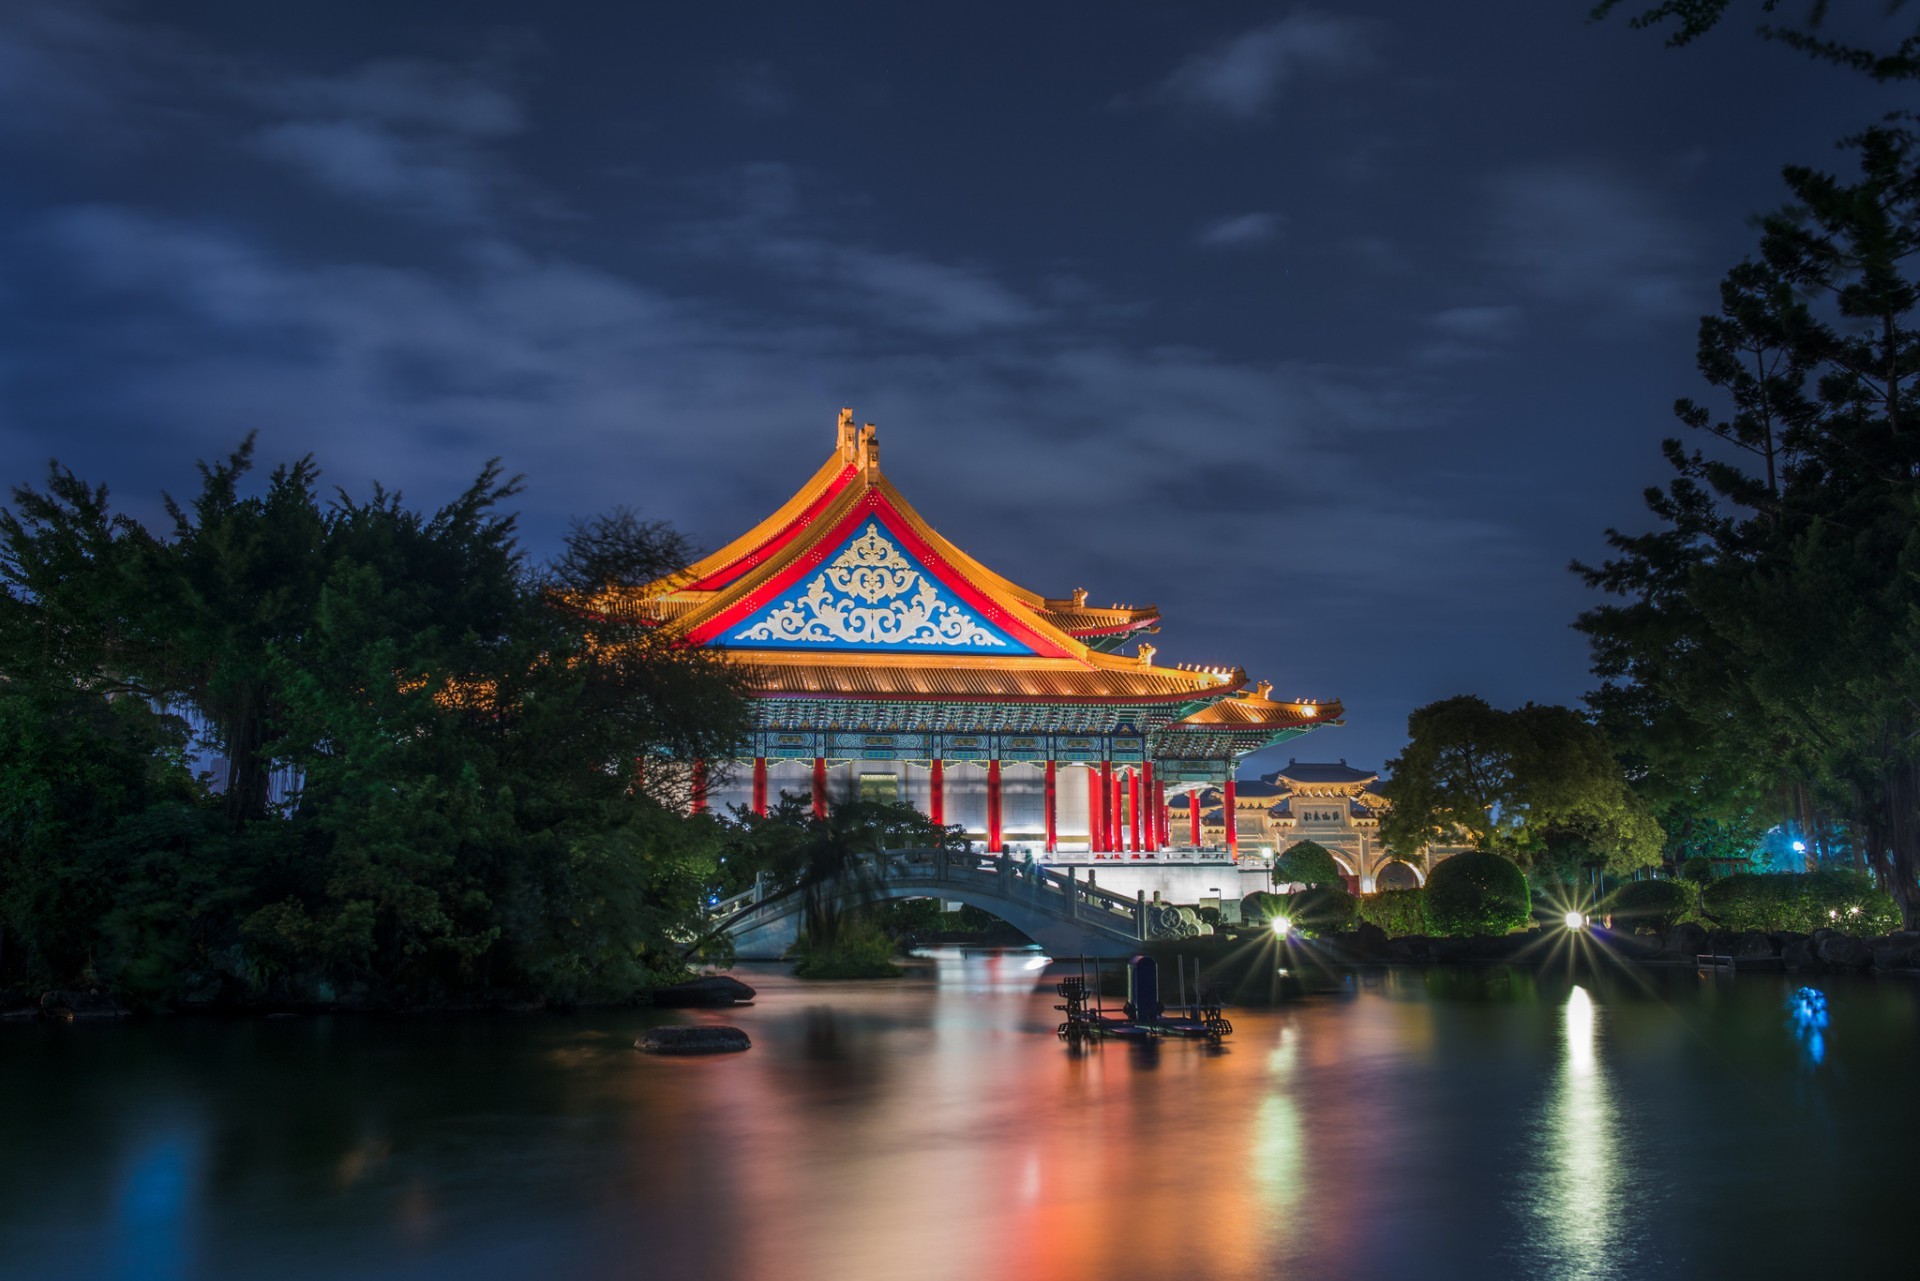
(1065, 915)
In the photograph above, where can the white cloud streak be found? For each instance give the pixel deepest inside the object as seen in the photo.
(1247, 76)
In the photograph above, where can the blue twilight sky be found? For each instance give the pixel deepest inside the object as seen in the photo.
(1335, 331)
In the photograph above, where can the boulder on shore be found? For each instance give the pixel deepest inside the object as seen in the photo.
(1845, 953)
(699, 1038)
(1895, 952)
(1686, 940)
(64, 1006)
(705, 991)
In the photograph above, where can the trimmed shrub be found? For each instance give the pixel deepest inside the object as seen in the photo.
(1700, 871)
(1800, 901)
(1648, 905)
(1324, 909)
(1307, 863)
(1477, 893)
(1399, 912)
(1260, 907)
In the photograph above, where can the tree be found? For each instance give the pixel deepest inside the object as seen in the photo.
(1688, 20)
(1767, 637)
(1306, 863)
(430, 748)
(1477, 893)
(1518, 783)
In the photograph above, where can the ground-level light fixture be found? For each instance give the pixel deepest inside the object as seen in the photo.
(1282, 926)
(1575, 920)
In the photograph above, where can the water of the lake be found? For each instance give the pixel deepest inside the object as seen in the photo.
(1439, 1124)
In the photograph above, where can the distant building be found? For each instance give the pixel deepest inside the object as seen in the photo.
(1335, 806)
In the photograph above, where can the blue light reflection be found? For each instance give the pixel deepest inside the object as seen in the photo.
(1807, 1009)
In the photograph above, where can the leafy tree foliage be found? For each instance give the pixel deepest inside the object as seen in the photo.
(1306, 863)
(429, 748)
(1767, 640)
(1400, 913)
(1839, 898)
(1652, 905)
(1520, 783)
(1322, 909)
(1805, 28)
(828, 861)
(1477, 893)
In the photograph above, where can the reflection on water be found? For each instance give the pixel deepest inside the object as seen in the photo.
(1578, 1201)
(1481, 1124)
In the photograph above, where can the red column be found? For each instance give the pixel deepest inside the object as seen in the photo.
(937, 793)
(1053, 803)
(1160, 806)
(1233, 828)
(760, 786)
(1193, 815)
(1116, 813)
(1150, 788)
(1108, 809)
(1093, 809)
(819, 787)
(699, 785)
(1133, 809)
(993, 807)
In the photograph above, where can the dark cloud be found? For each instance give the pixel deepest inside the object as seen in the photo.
(630, 257)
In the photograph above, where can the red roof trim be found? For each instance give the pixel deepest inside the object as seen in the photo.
(873, 503)
(767, 550)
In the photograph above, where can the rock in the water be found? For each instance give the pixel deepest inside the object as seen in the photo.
(1686, 940)
(1370, 941)
(1895, 952)
(1847, 953)
(1752, 945)
(707, 990)
(65, 1006)
(1798, 954)
(696, 1039)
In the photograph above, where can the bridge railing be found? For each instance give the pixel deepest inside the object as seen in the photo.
(1060, 894)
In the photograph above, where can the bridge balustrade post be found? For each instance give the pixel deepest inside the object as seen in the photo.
(759, 886)
(1140, 915)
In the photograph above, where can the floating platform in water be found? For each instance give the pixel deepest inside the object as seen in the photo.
(1142, 1017)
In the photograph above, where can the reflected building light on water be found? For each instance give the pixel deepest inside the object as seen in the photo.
(1277, 1138)
(1578, 1198)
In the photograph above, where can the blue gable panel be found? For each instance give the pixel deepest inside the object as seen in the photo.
(872, 595)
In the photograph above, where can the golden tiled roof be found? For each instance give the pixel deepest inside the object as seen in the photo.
(700, 603)
(1255, 711)
(774, 673)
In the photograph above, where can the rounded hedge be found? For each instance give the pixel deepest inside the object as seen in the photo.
(1401, 913)
(1324, 909)
(1307, 863)
(1801, 902)
(1477, 893)
(1649, 905)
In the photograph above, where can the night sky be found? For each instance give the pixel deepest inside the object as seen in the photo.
(1335, 332)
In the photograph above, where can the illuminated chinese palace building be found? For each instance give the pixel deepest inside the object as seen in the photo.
(885, 662)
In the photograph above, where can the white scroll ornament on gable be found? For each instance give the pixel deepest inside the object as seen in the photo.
(901, 606)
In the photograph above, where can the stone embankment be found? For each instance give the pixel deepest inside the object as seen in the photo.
(64, 1005)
